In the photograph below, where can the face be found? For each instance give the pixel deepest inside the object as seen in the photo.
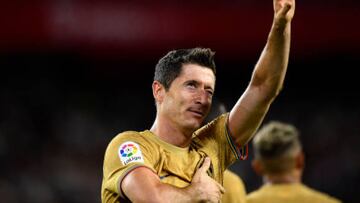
(188, 100)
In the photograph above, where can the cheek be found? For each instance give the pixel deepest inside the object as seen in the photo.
(182, 98)
(179, 101)
(181, 104)
(210, 100)
(174, 104)
(210, 103)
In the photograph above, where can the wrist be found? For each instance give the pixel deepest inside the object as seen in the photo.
(190, 194)
(281, 23)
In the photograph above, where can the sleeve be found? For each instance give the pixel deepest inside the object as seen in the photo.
(126, 152)
(216, 136)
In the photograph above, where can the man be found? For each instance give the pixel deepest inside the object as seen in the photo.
(175, 161)
(280, 161)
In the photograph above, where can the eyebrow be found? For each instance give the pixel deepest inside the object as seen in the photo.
(197, 82)
(191, 81)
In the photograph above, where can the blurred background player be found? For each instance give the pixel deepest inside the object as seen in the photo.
(279, 159)
(235, 191)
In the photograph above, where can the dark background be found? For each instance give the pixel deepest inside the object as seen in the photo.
(76, 73)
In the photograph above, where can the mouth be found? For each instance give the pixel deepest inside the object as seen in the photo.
(197, 113)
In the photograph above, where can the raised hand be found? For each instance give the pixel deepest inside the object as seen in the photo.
(284, 10)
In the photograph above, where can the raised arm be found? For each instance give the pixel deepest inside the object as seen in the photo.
(142, 185)
(267, 78)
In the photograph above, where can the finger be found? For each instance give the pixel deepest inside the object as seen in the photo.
(206, 165)
(221, 188)
(286, 7)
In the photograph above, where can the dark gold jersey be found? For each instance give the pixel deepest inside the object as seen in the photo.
(288, 193)
(174, 165)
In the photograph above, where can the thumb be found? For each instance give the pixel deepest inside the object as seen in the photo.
(202, 170)
(206, 165)
(221, 188)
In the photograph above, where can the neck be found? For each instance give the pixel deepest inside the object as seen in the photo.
(169, 133)
(293, 176)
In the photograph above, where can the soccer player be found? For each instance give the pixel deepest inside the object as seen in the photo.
(280, 161)
(176, 160)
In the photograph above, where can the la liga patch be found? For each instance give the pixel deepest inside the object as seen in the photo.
(130, 152)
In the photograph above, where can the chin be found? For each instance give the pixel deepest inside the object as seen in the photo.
(194, 125)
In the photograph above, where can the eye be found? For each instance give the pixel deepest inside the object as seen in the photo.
(210, 92)
(191, 85)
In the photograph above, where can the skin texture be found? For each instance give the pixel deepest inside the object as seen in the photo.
(181, 110)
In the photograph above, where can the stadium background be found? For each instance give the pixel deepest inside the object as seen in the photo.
(76, 73)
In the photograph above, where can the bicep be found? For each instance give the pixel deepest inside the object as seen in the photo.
(140, 185)
(247, 114)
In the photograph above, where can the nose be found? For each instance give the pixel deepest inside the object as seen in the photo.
(203, 97)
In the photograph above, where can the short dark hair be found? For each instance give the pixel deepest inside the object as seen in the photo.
(275, 145)
(169, 67)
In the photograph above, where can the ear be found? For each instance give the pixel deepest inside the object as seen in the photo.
(257, 166)
(300, 160)
(158, 91)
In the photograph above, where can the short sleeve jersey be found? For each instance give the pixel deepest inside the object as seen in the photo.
(289, 193)
(174, 165)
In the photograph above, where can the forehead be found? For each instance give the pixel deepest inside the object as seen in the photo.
(198, 73)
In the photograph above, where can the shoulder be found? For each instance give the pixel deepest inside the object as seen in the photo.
(264, 192)
(232, 182)
(253, 196)
(129, 137)
(218, 124)
(232, 177)
(300, 192)
(320, 196)
(126, 135)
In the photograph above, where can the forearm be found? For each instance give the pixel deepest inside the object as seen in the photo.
(268, 76)
(172, 194)
(142, 185)
(266, 83)
(166, 193)
(269, 72)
